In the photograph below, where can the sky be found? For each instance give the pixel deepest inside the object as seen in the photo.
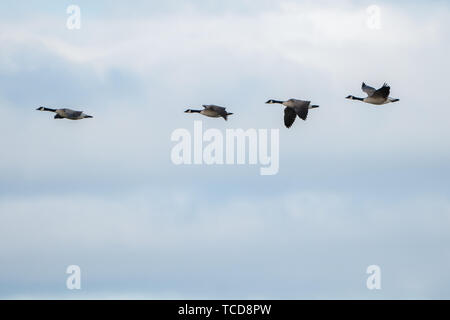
(358, 184)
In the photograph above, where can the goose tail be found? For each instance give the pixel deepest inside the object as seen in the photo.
(226, 116)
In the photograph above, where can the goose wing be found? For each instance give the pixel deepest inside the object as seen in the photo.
(302, 112)
(75, 114)
(383, 92)
(367, 89)
(220, 110)
(293, 103)
(289, 117)
(300, 107)
(72, 113)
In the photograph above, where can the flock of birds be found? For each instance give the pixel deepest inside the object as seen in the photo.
(293, 107)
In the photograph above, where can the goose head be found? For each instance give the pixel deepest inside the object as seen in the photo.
(40, 109)
(188, 111)
(271, 101)
(349, 97)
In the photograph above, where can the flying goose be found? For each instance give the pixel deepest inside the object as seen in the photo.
(294, 107)
(66, 113)
(211, 110)
(378, 97)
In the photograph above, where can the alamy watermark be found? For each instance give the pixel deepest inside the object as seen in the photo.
(73, 281)
(74, 20)
(213, 147)
(374, 280)
(374, 19)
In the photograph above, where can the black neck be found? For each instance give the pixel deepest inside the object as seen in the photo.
(360, 99)
(48, 109)
(197, 111)
(277, 101)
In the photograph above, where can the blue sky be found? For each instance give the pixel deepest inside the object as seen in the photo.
(358, 185)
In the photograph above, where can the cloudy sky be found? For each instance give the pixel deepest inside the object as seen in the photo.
(358, 185)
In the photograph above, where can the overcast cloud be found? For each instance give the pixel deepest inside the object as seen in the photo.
(358, 185)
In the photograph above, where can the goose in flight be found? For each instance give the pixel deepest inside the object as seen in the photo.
(294, 108)
(378, 97)
(66, 113)
(211, 111)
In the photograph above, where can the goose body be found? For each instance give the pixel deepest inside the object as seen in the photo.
(66, 113)
(211, 110)
(377, 97)
(294, 107)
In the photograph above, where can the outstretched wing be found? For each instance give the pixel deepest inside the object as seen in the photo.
(367, 89)
(302, 112)
(289, 117)
(383, 92)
